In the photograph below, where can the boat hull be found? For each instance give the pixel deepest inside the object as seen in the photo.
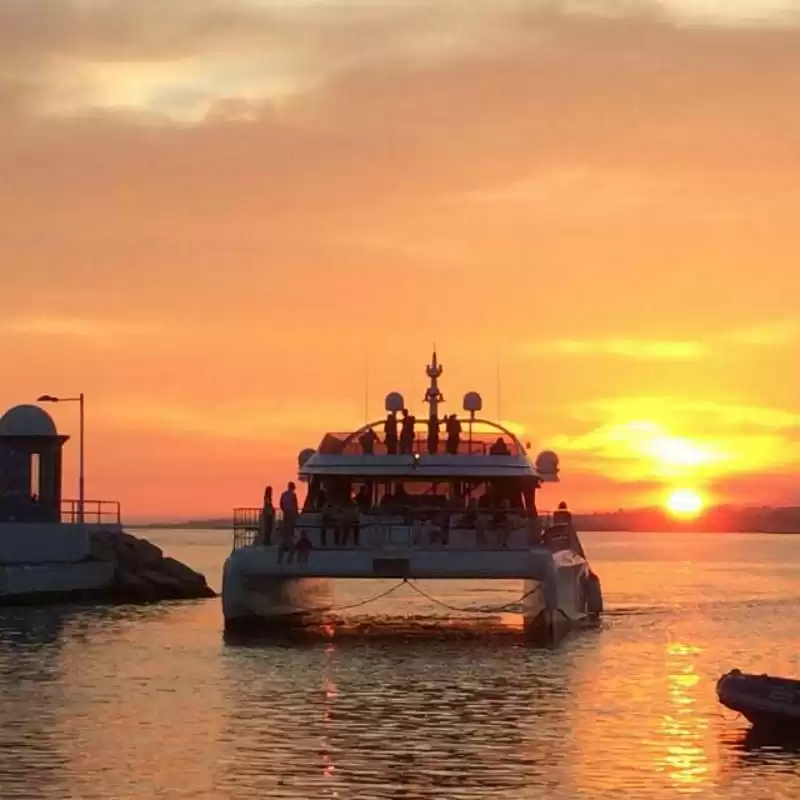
(253, 602)
(567, 599)
(260, 594)
(767, 702)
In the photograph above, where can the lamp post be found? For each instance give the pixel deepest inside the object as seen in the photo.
(48, 398)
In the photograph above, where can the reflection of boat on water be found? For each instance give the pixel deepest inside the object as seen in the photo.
(768, 703)
(414, 505)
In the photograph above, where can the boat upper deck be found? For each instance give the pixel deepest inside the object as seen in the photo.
(490, 451)
(485, 439)
(432, 445)
(483, 448)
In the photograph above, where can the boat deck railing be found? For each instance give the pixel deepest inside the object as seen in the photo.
(479, 443)
(383, 532)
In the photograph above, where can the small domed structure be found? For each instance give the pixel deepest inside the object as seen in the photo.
(304, 455)
(27, 420)
(547, 464)
(473, 402)
(30, 466)
(394, 402)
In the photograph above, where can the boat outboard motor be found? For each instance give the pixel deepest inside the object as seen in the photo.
(594, 595)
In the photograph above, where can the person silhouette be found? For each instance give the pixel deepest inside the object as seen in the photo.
(407, 432)
(390, 433)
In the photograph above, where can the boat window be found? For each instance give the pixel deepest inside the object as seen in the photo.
(339, 491)
(516, 494)
(415, 493)
(497, 493)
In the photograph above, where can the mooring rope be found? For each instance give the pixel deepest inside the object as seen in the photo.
(458, 609)
(349, 606)
(473, 609)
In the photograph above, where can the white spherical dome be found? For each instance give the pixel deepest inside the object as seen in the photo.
(473, 402)
(394, 402)
(547, 463)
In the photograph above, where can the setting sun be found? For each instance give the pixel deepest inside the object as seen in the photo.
(685, 503)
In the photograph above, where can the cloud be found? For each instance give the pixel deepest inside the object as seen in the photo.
(245, 421)
(632, 348)
(664, 438)
(69, 326)
(782, 332)
(283, 183)
(773, 334)
(180, 59)
(683, 410)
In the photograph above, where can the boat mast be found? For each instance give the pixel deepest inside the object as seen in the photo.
(433, 395)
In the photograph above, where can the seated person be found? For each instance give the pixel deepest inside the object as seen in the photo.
(562, 515)
(363, 498)
(303, 548)
(499, 448)
(367, 441)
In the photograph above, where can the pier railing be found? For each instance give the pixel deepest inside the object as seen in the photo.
(95, 512)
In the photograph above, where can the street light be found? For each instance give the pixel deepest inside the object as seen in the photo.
(48, 398)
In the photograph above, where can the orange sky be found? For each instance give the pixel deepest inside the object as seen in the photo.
(213, 216)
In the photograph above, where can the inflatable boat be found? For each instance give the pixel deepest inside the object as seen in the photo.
(767, 702)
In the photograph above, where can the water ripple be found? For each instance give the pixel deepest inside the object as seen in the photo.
(403, 703)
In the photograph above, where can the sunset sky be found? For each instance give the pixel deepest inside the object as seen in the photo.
(216, 218)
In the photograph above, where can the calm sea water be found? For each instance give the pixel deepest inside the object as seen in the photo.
(141, 703)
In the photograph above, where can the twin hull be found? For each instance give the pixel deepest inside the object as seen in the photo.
(259, 593)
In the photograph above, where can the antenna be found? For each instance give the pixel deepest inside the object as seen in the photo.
(499, 415)
(366, 387)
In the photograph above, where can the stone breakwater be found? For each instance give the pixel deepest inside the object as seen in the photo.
(142, 573)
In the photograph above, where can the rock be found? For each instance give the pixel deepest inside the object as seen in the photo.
(164, 585)
(143, 574)
(138, 552)
(131, 588)
(181, 572)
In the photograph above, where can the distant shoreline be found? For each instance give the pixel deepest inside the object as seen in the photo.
(199, 525)
(720, 519)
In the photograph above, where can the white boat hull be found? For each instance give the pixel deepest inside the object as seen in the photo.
(259, 593)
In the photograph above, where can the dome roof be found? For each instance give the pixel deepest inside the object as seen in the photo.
(27, 420)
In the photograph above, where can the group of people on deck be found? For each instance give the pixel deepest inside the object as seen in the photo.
(342, 519)
(399, 436)
(290, 510)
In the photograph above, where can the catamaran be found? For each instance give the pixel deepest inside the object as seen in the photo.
(436, 498)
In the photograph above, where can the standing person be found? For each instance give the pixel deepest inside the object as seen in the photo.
(562, 515)
(433, 435)
(407, 432)
(453, 427)
(289, 512)
(267, 518)
(390, 433)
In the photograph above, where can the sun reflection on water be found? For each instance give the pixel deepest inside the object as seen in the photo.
(330, 693)
(683, 728)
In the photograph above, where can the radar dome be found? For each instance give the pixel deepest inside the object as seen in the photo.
(547, 464)
(473, 402)
(394, 402)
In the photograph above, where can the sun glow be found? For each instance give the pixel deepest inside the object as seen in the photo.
(685, 503)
